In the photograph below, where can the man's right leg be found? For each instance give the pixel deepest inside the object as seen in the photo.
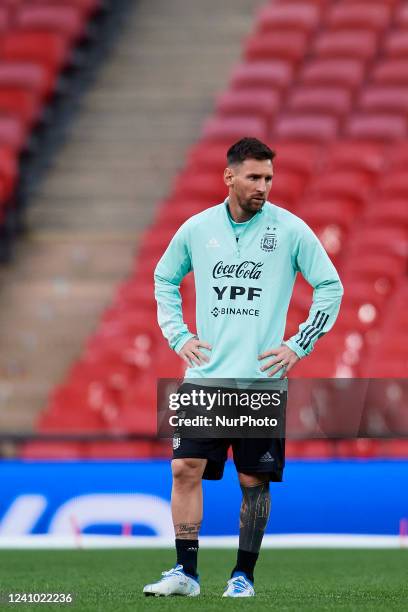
(187, 509)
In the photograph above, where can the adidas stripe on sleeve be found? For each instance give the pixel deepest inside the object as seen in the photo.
(312, 261)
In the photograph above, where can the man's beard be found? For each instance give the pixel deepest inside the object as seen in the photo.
(253, 205)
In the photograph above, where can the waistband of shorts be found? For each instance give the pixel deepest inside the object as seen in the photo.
(255, 384)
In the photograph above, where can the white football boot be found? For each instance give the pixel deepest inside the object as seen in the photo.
(239, 586)
(174, 582)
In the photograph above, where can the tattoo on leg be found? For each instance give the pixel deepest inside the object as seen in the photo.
(254, 515)
(187, 531)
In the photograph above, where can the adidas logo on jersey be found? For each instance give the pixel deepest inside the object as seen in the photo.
(212, 243)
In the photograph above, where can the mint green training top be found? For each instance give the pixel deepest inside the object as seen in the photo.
(243, 288)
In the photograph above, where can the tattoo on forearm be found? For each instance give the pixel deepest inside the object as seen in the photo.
(254, 515)
(188, 531)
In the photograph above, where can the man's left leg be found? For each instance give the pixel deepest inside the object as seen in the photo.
(258, 461)
(254, 515)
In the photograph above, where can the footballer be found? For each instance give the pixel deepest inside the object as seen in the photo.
(245, 254)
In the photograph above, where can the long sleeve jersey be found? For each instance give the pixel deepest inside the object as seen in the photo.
(243, 288)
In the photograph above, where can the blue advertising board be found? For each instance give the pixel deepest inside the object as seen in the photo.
(326, 497)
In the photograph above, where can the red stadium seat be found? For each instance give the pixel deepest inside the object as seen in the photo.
(51, 450)
(308, 128)
(365, 157)
(358, 292)
(327, 100)
(388, 369)
(392, 212)
(24, 103)
(287, 187)
(8, 170)
(86, 7)
(46, 48)
(65, 20)
(390, 343)
(4, 19)
(300, 16)
(322, 368)
(362, 448)
(73, 409)
(376, 127)
(333, 72)
(3, 200)
(396, 45)
(302, 158)
(119, 449)
(402, 16)
(275, 74)
(391, 72)
(137, 411)
(380, 99)
(233, 128)
(208, 156)
(27, 75)
(320, 214)
(394, 184)
(295, 317)
(302, 295)
(172, 215)
(13, 133)
(398, 156)
(319, 3)
(367, 16)
(356, 44)
(390, 3)
(154, 241)
(260, 103)
(394, 448)
(350, 184)
(209, 187)
(331, 221)
(392, 240)
(384, 270)
(352, 319)
(317, 449)
(290, 45)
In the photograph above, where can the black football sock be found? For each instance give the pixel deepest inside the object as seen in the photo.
(246, 563)
(187, 551)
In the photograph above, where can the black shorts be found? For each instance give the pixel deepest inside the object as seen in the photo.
(251, 455)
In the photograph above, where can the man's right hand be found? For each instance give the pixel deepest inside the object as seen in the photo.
(191, 354)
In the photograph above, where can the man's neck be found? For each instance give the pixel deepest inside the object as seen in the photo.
(237, 214)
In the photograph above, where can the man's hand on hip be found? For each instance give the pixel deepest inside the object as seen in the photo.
(283, 359)
(191, 354)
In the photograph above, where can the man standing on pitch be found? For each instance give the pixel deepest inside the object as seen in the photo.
(245, 254)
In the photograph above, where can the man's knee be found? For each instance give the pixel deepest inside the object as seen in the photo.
(252, 480)
(187, 472)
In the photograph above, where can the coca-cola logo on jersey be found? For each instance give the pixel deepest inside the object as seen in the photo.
(245, 269)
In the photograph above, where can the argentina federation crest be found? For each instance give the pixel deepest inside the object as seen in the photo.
(269, 242)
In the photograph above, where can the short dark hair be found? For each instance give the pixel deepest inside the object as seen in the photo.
(248, 148)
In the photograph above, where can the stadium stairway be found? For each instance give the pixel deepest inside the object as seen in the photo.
(129, 140)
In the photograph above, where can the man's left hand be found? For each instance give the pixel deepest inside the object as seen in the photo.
(283, 359)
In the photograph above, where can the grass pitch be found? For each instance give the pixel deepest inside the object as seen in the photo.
(285, 580)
